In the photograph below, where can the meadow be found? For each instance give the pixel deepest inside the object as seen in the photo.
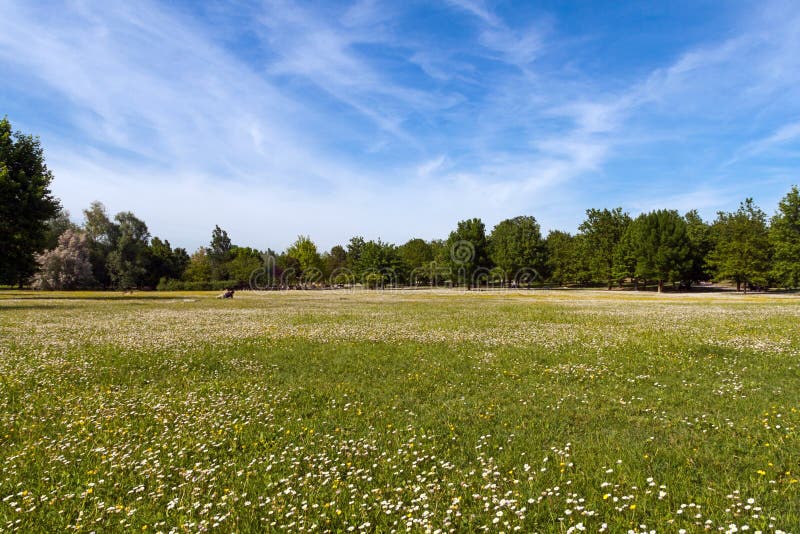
(545, 411)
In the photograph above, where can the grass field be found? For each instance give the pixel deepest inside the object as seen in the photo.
(424, 411)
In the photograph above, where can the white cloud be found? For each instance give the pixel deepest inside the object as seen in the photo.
(169, 123)
(780, 137)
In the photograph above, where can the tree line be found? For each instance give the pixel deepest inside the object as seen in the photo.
(41, 246)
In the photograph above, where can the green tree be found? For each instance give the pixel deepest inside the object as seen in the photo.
(219, 253)
(416, 256)
(603, 230)
(198, 268)
(661, 246)
(335, 263)
(309, 263)
(565, 262)
(468, 250)
(56, 226)
(626, 253)
(354, 248)
(516, 244)
(244, 261)
(129, 259)
(742, 250)
(785, 238)
(379, 264)
(165, 263)
(26, 204)
(701, 242)
(97, 225)
(102, 234)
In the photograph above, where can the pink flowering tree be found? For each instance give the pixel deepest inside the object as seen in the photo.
(67, 266)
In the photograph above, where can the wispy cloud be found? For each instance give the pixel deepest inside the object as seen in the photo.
(278, 118)
(784, 135)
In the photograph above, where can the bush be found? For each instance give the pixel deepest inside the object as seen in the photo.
(67, 266)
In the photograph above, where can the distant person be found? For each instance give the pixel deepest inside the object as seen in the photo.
(227, 294)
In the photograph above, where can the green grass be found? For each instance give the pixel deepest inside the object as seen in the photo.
(399, 411)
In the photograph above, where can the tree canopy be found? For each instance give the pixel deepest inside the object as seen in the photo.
(602, 231)
(41, 245)
(785, 240)
(661, 247)
(516, 244)
(26, 204)
(469, 251)
(742, 251)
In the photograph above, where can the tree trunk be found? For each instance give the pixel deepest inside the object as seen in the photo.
(738, 285)
(636, 284)
(660, 286)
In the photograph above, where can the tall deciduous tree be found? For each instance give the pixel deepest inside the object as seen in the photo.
(128, 261)
(219, 253)
(335, 263)
(303, 253)
(26, 203)
(469, 250)
(165, 263)
(417, 256)
(102, 234)
(566, 260)
(742, 251)
(244, 261)
(516, 244)
(198, 268)
(785, 239)
(379, 264)
(603, 230)
(354, 248)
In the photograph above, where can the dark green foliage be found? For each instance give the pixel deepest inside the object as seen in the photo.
(417, 257)
(335, 262)
(742, 251)
(165, 262)
(56, 226)
(566, 258)
(785, 239)
(625, 255)
(660, 246)
(602, 231)
(701, 242)
(468, 250)
(26, 204)
(129, 259)
(102, 233)
(354, 252)
(379, 264)
(516, 245)
(219, 253)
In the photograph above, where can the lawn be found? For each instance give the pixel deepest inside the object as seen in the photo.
(542, 411)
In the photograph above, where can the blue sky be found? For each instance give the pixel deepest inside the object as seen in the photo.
(397, 119)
